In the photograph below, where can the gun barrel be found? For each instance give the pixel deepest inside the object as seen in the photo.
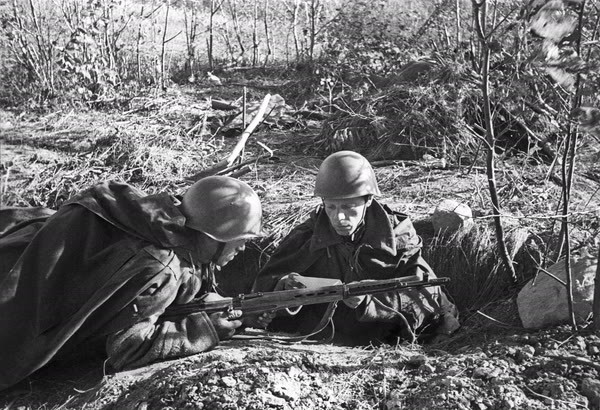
(367, 287)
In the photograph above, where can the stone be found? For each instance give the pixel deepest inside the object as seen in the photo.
(590, 388)
(228, 381)
(543, 300)
(450, 216)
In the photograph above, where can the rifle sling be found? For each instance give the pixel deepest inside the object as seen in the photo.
(323, 323)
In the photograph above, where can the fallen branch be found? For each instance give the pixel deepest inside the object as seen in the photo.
(222, 105)
(243, 170)
(223, 165)
(232, 169)
(312, 115)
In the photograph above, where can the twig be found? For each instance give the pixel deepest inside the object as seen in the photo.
(496, 320)
(553, 276)
(575, 359)
(546, 397)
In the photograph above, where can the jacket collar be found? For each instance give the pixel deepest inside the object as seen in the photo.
(154, 218)
(378, 231)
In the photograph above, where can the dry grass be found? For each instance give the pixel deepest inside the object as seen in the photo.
(155, 152)
(470, 259)
(409, 119)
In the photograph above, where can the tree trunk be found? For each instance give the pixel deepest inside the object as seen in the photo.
(230, 50)
(267, 35)
(569, 159)
(137, 49)
(255, 35)
(314, 17)
(211, 35)
(480, 12)
(188, 24)
(236, 27)
(163, 74)
(295, 29)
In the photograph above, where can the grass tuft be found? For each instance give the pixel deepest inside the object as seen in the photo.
(471, 261)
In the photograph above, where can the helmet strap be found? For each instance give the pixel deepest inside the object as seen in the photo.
(362, 218)
(219, 252)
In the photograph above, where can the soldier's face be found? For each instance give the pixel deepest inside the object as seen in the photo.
(345, 215)
(230, 250)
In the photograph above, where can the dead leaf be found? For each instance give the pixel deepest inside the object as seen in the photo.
(554, 21)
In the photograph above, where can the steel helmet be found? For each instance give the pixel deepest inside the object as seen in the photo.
(345, 174)
(224, 208)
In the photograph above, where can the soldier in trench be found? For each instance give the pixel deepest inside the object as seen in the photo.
(350, 237)
(100, 272)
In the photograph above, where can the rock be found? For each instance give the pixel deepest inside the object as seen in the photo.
(590, 388)
(543, 302)
(484, 373)
(417, 360)
(228, 381)
(524, 353)
(269, 399)
(6, 125)
(450, 216)
(285, 387)
(579, 343)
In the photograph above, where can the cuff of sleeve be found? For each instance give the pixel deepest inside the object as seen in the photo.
(204, 330)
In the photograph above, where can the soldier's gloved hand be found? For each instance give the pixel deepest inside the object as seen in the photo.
(261, 321)
(290, 281)
(224, 324)
(354, 301)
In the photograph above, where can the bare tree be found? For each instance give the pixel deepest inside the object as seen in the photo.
(292, 12)
(163, 80)
(32, 49)
(138, 40)
(255, 34)
(190, 18)
(480, 14)
(233, 11)
(567, 171)
(314, 9)
(267, 35)
(215, 5)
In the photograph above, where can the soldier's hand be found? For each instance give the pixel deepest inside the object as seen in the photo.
(225, 323)
(211, 297)
(290, 281)
(354, 301)
(261, 321)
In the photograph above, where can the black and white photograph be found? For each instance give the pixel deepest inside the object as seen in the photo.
(299, 204)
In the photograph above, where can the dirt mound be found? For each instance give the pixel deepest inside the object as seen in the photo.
(508, 370)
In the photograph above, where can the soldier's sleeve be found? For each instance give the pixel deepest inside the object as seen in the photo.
(152, 338)
(290, 256)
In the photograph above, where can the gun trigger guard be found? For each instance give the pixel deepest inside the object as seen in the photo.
(293, 311)
(230, 315)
